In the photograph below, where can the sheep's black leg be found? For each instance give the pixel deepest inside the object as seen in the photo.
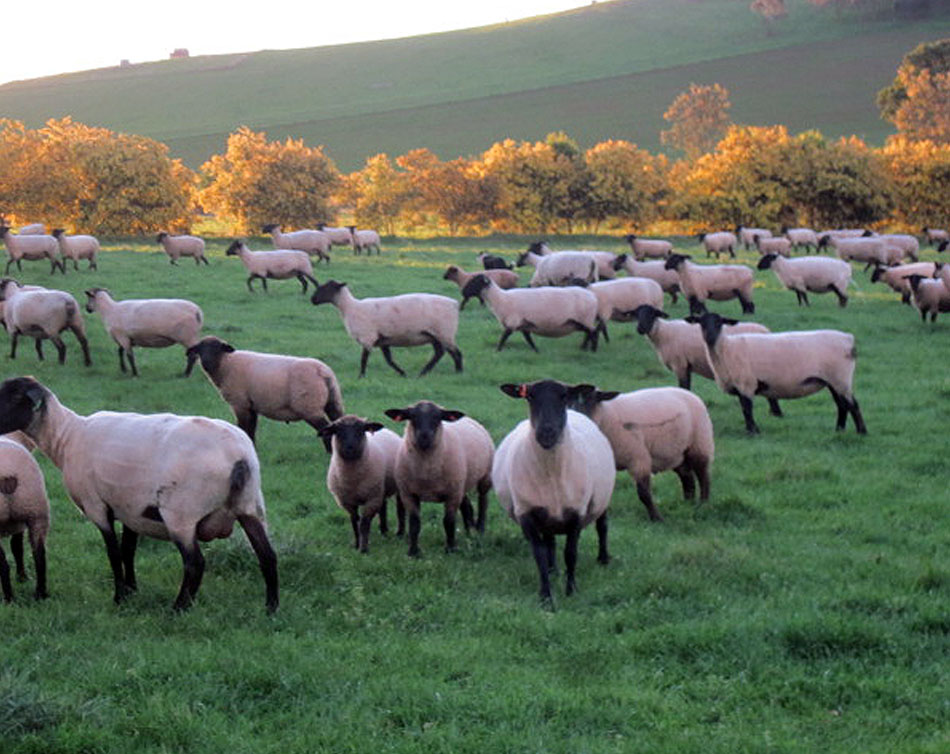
(84, 345)
(19, 265)
(5, 584)
(128, 353)
(383, 519)
(448, 523)
(115, 561)
(774, 408)
(805, 298)
(602, 329)
(482, 506)
(540, 551)
(603, 555)
(6, 269)
(529, 340)
(365, 525)
(38, 545)
(701, 469)
(468, 514)
(570, 556)
(303, 281)
(16, 549)
(13, 341)
(437, 352)
(456, 354)
(193, 564)
(364, 357)
(798, 296)
(355, 523)
(646, 497)
(130, 540)
(248, 283)
(387, 354)
(745, 403)
(842, 299)
(685, 473)
(122, 359)
(551, 552)
(687, 379)
(857, 417)
(38, 344)
(247, 420)
(504, 337)
(266, 558)
(415, 524)
(842, 406)
(747, 306)
(264, 284)
(400, 517)
(60, 349)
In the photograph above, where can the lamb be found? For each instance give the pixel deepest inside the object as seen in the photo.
(668, 280)
(182, 246)
(929, 296)
(504, 278)
(554, 474)
(338, 236)
(183, 478)
(896, 277)
(365, 240)
(145, 322)
(679, 344)
(815, 274)
(442, 457)
(24, 506)
(314, 242)
(747, 235)
(783, 366)
(77, 247)
(549, 312)
(719, 243)
(412, 319)
(647, 247)
(777, 245)
(801, 237)
(934, 235)
(617, 298)
(31, 247)
(603, 259)
(493, 262)
(908, 244)
(654, 430)
(284, 388)
(362, 473)
(41, 314)
(867, 249)
(33, 229)
(276, 265)
(718, 282)
(560, 268)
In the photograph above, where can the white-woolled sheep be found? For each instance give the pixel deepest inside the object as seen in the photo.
(871, 250)
(284, 388)
(362, 473)
(718, 282)
(616, 299)
(668, 280)
(182, 246)
(560, 268)
(747, 235)
(412, 319)
(929, 296)
(603, 259)
(281, 264)
(33, 229)
(943, 246)
(503, 278)
(549, 312)
(942, 271)
(338, 236)
(39, 313)
(679, 344)
(815, 274)
(145, 322)
(909, 245)
(314, 242)
(933, 235)
(493, 262)
(442, 457)
(846, 233)
(182, 478)
(554, 473)
(654, 430)
(365, 240)
(647, 247)
(24, 507)
(719, 243)
(896, 277)
(31, 248)
(801, 238)
(77, 247)
(783, 366)
(773, 245)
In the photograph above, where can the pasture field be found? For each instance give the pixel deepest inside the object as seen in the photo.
(804, 608)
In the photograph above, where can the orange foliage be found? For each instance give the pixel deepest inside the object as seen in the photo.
(925, 113)
(699, 118)
(916, 169)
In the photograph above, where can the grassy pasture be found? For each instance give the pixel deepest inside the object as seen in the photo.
(804, 608)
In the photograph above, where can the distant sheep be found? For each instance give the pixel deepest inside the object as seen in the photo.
(747, 235)
(33, 229)
(338, 236)
(365, 240)
(503, 278)
(494, 262)
(896, 277)
(722, 242)
(281, 264)
(560, 268)
(668, 280)
(815, 274)
(647, 247)
(718, 282)
(933, 235)
(929, 296)
(801, 238)
(182, 246)
(41, 314)
(603, 259)
(77, 247)
(314, 242)
(31, 247)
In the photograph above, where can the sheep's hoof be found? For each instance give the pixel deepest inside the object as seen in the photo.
(40, 595)
(604, 559)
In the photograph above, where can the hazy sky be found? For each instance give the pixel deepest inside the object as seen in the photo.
(57, 36)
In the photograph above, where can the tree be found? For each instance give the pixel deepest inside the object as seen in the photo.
(378, 193)
(625, 182)
(771, 11)
(916, 168)
(699, 117)
(932, 58)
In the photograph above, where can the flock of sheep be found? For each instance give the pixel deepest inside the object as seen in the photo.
(189, 479)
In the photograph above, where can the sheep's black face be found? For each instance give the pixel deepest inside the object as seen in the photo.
(425, 422)
(646, 316)
(350, 438)
(326, 293)
(232, 250)
(711, 324)
(620, 261)
(269, 228)
(161, 237)
(209, 350)
(20, 399)
(475, 286)
(673, 261)
(766, 262)
(548, 401)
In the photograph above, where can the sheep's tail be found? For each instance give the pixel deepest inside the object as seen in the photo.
(240, 475)
(334, 407)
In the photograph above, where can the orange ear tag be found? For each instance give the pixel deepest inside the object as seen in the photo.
(522, 391)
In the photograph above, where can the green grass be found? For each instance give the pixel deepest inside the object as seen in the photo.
(604, 71)
(804, 608)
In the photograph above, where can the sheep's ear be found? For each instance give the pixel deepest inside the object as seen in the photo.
(37, 397)
(692, 319)
(729, 321)
(227, 348)
(580, 391)
(326, 434)
(452, 416)
(515, 391)
(373, 426)
(606, 395)
(398, 414)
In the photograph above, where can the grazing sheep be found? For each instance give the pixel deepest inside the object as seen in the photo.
(365, 240)
(77, 247)
(934, 235)
(617, 298)
(943, 246)
(783, 366)
(493, 262)
(24, 506)
(31, 247)
(443, 455)
(145, 322)
(896, 277)
(929, 296)
(504, 278)
(362, 473)
(284, 388)
(719, 243)
(777, 245)
(603, 259)
(647, 247)
(801, 238)
(559, 269)
(182, 246)
(909, 245)
(747, 235)
(942, 271)
(871, 250)
(33, 229)
(847, 233)
(314, 242)
(183, 478)
(815, 274)
(39, 313)
(719, 282)
(654, 430)
(549, 312)
(338, 236)
(412, 319)
(668, 280)
(282, 264)
(554, 473)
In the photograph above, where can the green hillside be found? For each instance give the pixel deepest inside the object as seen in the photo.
(606, 70)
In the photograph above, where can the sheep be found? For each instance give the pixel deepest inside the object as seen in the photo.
(182, 478)
(933, 235)
(145, 322)
(493, 262)
(908, 244)
(942, 271)
(443, 455)
(554, 473)
(801, 237)
(847, 233)
(40, 314)
(412, 319)
(284, 388)
(747, 235)
(668, 280)
(943, 246)
(617, 298)
(815, 274)
(182, 246)
(24, 506)
(3, 321)
(314, 242)
(31, 247)
(603, 259)
(718, 243)
(654, 430)
(896, 277)
(77, 247)
(362, 473)
(773, 245)
(281, 264)
(678, 344)
(504, 278)
(718, 282)
(549, 312)
(867, 249)
(365, 239)
(647, 247)
(783, 366)
(929, 296)
(559, 268)
(338, 236)
(33, 229)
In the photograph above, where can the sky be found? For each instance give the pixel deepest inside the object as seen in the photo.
(59, 36)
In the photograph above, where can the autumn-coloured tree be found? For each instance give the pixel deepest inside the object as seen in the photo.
(916, 169)
(626, 183)
(378, 194)
(699, 117)
(771, 11)
(928, 59)
(18, 149)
